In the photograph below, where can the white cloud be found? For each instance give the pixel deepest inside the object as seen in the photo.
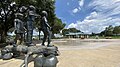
(108, 7)
(92, 15)
(72, 25)
(75, 10)
(81, 3)
(79, 8)
(105, 14)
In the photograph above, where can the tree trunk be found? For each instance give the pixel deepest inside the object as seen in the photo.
(39, 34)
(0, 37)
(52, 35)
(3, 31)
(3, 37)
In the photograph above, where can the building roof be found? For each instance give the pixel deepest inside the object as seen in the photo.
(78, 33)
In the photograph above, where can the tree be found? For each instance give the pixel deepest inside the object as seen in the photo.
(9, 7)
(55, 23)
(109, 30)
(102, 33)
(116, 30)
(65, 31)
(93, 34)
(58, 25)
(7, 10)
(73, 30)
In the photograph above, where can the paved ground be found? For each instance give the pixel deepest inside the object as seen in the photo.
(82, 53)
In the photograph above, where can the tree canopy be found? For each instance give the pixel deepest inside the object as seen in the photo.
(8, 8)
(70, 30)
(116, 30)
(110, 30)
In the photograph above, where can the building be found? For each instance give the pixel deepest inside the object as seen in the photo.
(77, 35)
(58, 36)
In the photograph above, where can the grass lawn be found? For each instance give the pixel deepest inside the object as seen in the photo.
(107, 37)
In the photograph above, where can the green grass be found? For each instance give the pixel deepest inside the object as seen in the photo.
(101, 37)
(115, 37)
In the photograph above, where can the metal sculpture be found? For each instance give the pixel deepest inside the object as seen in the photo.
(19, 28)
(31, 18)
(45, 55)
(45, 28)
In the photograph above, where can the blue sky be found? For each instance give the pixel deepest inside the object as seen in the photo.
(88, 15)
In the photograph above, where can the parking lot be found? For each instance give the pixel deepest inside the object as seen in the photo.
(81, 53)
